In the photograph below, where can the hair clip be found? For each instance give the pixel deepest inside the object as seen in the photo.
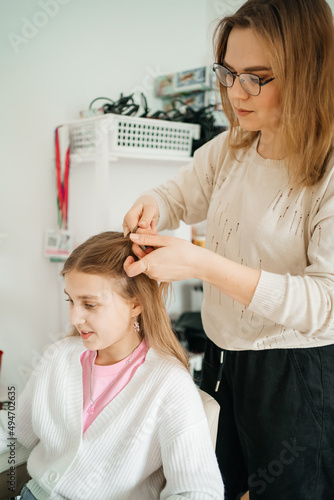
(143, 247)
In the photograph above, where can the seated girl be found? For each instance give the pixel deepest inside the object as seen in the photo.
(111, 412)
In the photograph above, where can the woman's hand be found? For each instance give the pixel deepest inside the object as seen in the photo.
(171, 259)
(144, 214)
(167, 258)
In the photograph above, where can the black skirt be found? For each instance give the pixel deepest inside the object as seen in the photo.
(276, 424)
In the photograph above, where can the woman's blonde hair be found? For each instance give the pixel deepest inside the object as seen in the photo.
(104, 254)
(299, 37)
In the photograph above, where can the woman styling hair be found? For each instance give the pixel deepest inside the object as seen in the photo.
(266, 189)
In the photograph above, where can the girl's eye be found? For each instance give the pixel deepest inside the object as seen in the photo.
(89, 306)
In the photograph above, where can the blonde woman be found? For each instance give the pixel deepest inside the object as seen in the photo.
(266, 188)
(112, 411)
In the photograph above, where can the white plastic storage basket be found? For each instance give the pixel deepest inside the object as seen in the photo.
(132, 137)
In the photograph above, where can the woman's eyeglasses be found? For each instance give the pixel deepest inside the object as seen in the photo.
(249, 82)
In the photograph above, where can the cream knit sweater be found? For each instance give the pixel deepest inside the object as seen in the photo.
(255, 217)
(151, 442)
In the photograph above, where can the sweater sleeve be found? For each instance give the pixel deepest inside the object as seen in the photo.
(187, 196)
(305, 302)
(189, 462)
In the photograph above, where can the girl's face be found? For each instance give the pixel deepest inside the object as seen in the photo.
(246, 53)
(102, 317)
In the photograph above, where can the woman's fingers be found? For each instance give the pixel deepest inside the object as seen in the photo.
(133, 267)
(144, 214)
(148, 217)
(167, 258)
(148, 240)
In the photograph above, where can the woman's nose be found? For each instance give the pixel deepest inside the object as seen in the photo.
(237, 91)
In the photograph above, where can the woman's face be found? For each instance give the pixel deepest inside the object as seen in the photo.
(246, 53)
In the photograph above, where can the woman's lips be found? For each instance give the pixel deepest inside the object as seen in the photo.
(242, 112)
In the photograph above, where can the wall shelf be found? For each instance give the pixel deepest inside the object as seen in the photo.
(108, 139)
(117, 136)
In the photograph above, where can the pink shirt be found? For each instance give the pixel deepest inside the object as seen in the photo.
(102, 376)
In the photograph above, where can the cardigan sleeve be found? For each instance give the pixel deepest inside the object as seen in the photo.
(189, 462)
(187, 196)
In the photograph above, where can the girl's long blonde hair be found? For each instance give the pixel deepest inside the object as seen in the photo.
(104, 254)
(299, 37)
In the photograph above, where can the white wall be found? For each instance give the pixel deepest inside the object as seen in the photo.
(82, 49)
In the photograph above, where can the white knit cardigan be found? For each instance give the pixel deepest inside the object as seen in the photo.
(151, 442)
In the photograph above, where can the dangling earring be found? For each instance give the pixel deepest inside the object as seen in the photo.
(136, 326)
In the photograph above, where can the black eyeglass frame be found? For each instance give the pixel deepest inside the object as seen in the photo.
(261, 84)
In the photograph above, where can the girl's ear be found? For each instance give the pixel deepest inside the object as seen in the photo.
(136, 308)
